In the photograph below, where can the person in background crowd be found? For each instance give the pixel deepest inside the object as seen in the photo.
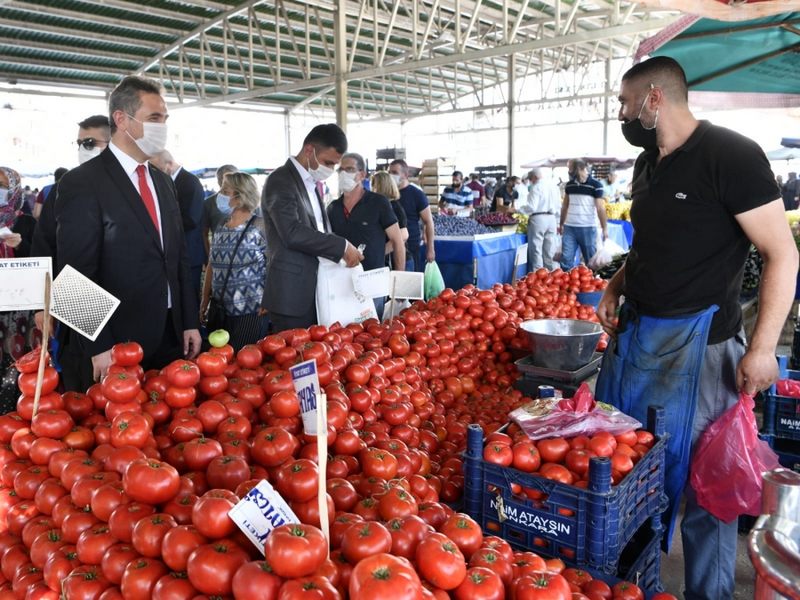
(94, 134)
(190, 201)
(611, 189)
(478, 191)
(790, 192)
(16, 327)
(779, 181)
(457, 196)
(541, 205)
(583, 205)
(704, 194)
(418, 214)
(367, 218)
(298, 231)
(44, 195)
(245, 320)
(383, 184)
(216, 208)
(489, 189)
(506, 195)
(119, 224)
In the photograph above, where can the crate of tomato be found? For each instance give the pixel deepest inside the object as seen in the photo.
(782, 404)
(565, 499)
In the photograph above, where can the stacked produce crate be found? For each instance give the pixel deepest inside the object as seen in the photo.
(435, 175)
(611, 531)
(781, 426)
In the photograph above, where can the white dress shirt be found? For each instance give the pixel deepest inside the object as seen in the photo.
(311, 190)
(544, 197)
(129, 165)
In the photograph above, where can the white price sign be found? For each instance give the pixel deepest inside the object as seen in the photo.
(306, 384)
(260, 511)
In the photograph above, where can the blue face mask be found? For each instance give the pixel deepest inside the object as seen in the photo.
(223, 204)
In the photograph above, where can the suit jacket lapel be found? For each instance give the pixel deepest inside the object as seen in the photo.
(125, 186)
(302, 192)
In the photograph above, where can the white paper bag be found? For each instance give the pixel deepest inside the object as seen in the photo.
(337, 299)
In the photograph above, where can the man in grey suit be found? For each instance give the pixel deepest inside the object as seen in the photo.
(298, 231)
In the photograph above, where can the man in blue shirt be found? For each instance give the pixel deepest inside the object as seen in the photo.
(458, 196)
(418, 212)
(583, 206)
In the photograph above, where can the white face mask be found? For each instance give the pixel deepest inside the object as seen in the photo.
(154, 137)
(347, 181)
(224, 204)
(86, 155)
(3, 196)
(396, 179)
(322, 172)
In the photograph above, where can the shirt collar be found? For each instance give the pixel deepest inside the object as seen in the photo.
(128, 163)
(696, 136)
(175, 174)
(304, 174)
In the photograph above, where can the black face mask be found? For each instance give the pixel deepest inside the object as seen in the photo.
(637, 135)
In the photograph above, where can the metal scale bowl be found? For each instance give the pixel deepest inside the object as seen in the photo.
(562, 354)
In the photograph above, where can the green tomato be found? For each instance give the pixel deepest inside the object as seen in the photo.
(218, 338)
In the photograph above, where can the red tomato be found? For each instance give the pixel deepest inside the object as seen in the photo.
(182, 374)
(210, 364)
(127, 354)
(498, 454)
(52, 423)
(440, 562)
(211, 567)
(148, 534)
(316, 587)
(626, 590)
(149, 480)
(130, 429)
(295, 550)
(553, 450)
(140, 577)
(210, 513)
(384, 576)
(120, 387)
(365, 539)
(480, 583)
(173, 586)
(526, 456)
(465, 532)
(542, 586)
(114, 561)
(84, 582)
(256, 579)
(597, 589)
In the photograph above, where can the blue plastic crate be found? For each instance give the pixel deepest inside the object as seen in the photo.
(584, 527)
(782, 413)
(788, 451)
(640, 562)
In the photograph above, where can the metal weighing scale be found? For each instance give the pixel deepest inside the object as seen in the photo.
(566, 381)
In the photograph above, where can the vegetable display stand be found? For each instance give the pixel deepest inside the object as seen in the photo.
(782, 413)
(640, 562)
(585, 527)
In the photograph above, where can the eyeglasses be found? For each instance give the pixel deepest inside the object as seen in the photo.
(351, 170)
(90, 143)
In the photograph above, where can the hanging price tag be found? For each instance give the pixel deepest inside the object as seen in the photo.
(306, 384)
(260, 511)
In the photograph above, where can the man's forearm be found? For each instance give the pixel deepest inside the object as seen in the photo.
(774, 300)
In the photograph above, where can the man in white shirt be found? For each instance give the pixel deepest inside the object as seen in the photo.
(542, 205)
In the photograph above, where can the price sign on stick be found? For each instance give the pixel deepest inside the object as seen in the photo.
(306, 384)
(22, 283)
(313, 409)
(260, 511)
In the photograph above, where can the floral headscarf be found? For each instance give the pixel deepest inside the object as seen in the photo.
(10, 179)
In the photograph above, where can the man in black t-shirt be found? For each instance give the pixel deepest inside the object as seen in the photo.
(367, 218)
(701, 194)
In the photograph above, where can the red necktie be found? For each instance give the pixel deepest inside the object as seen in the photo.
(147, 195)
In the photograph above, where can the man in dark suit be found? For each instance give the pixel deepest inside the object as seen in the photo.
(298, 231)
(119, 224)
(190, 200)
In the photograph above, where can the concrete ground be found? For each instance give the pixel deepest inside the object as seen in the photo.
(672, 569)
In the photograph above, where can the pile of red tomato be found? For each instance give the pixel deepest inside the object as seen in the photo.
(566, 460)
(124, 491)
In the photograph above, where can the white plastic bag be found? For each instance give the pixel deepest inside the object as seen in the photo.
(393, 307)
(337, 299)
(605, 254)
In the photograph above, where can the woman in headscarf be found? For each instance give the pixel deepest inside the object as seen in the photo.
(17, 331)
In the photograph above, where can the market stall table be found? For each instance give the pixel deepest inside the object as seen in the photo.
(483, 259)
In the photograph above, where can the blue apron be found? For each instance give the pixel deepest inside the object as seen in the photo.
(657, 361)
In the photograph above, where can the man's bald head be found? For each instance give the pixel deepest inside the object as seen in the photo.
(662, 72)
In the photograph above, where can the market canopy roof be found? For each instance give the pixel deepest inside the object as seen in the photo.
(758, 60)
(399, 58)
(552, 161)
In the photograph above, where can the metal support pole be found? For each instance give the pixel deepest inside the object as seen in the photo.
(340, 45)
(512, 76)
(605, 104)
(287, 131)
